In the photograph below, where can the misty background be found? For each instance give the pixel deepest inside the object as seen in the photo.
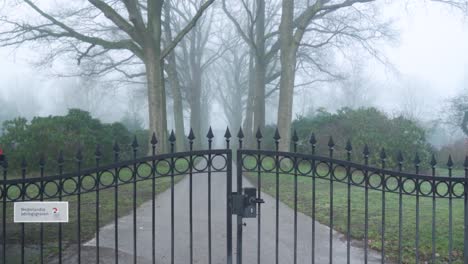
(426, 66)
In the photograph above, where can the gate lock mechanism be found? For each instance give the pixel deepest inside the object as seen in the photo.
(245, 204)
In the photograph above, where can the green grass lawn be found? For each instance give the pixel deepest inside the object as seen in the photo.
(88, 213)
(304, 205)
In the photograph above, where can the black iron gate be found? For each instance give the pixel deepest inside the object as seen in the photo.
(397, 217)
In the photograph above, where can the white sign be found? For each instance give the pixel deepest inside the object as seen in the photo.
(41, 212)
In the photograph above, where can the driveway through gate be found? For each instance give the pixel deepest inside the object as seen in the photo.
(236, 206)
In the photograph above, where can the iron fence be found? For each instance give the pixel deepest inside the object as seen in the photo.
(337, 192)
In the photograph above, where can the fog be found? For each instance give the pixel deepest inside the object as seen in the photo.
(427, 65)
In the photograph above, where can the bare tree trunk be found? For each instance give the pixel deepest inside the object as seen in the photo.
(195, 105)
(175, 84)
(155, 76)
(156, 100)
(249, 112)
(260, 67)
(288, 65)
(178, 103)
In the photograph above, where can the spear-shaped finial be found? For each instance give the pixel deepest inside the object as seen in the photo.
(191, 135)
(312, 139)
(400, 158)
(42, 160)
(295, 138)
(276, 136)
(383, 154)
(24, 164)
(331, 143)
(79, 154)
(98, 152)
(154, 140)
(210, 134)
(135, 143)
(116, 147)
(450, 162)
(349, 146)
(227, 134)
(172, 137)
(433, 161)
(60, 158)
(258, 135)
(366, 151)
(417, 160)
(240, 134)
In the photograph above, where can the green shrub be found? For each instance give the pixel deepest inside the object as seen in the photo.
(49, 135)
(361, 126)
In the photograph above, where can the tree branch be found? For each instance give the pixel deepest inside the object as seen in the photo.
(69, 32)
(187, 28)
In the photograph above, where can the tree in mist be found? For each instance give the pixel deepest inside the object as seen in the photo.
(355, 88)
(233, 81)
(255, 23)
(458, 111)
(194, 57)
(121, 31)
(9, 111)
(327, 21)
(174, 80)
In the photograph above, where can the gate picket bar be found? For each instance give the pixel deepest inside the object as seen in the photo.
(268, 169)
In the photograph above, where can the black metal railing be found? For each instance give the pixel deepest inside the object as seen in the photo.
(19, 247)
(372, 182)
(407, 217)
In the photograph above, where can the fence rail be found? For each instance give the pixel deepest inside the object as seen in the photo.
(406, 212)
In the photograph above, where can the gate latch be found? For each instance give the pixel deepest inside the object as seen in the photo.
(245, 204)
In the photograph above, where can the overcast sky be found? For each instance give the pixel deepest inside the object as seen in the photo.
(432, 52)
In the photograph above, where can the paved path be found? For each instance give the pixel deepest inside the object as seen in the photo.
(200, 219)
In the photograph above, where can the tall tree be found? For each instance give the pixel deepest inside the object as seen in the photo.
(174, 82)
(258, 32)
(196, 55)
(312, 18)
(99, 28)
(232, 80)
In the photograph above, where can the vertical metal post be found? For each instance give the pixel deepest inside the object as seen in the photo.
(172, 140)
(227, 135)
(259, 195)
(383, 156)
(23, 194)
(400, 208)
(60, 161)
(229, 208)
(434, 204)
(277, 137)
(331, 144)
(97, 154)
(5, 194)
(312, 142)
(239, 217)
(450, 242)
(116, 204)
(240, 135)
(153, 142)
(134, 177)
(465, 240)
(348, 148)
(41, 196)
(191, 137)
(417, 187)
(366, 204)
(210, 139)
(295, 139)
